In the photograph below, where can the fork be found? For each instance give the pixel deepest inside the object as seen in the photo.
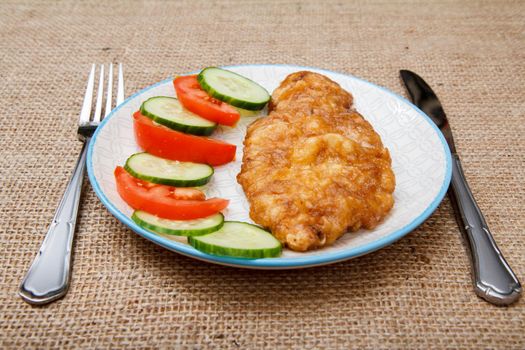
(49, 275)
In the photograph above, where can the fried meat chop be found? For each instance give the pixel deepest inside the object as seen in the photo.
(314, 168)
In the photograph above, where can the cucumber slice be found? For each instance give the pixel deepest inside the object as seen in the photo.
(240, 240)
(169, 112)
(178, 227)
(233, 88)
(162, 171)
(247, 112)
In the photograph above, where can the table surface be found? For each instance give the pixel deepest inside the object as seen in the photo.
(128, 292)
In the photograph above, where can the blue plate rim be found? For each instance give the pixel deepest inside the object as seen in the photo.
(274, 263)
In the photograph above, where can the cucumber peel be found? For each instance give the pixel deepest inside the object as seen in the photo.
(162, 171)
(190, 228)
(239, 240)
(168, 111)
(233, 88)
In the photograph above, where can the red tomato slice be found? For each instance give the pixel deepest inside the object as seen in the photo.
(195, 99)
(166, 143)
(166, 201)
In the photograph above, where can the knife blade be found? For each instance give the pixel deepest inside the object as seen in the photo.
(492, 276)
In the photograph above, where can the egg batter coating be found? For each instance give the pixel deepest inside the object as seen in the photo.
(314, 168)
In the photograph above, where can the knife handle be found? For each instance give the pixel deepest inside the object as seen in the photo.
(493, 278)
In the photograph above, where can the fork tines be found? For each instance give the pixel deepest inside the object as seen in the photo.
(85, 114)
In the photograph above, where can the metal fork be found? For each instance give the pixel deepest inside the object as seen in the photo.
(49, 275)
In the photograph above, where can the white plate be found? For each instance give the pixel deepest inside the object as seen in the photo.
(420, 157)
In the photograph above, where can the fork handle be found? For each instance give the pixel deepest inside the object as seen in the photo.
(49, 275)
(493, 278)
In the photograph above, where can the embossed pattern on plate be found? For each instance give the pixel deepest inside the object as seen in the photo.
(421, 163)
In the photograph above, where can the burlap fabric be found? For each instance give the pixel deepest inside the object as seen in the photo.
(127, 292)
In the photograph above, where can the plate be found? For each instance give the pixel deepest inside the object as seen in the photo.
(421, 161)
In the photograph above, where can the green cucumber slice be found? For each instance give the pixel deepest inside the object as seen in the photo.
(247, 112)
(178, 227)
(162, 171)
(233, 88)
(240, 240)
(169, 112)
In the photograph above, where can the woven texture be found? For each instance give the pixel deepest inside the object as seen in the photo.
(127, 292)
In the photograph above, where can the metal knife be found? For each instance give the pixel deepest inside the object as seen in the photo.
(492, 276)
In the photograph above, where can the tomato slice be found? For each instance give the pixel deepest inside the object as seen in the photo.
(166, 201)
(166, 143)
(195, 99)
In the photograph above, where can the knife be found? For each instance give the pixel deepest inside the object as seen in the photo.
(492, 276)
